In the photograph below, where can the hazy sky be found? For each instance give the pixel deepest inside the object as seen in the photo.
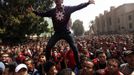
(87, 14)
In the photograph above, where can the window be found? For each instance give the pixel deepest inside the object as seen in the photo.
(118, 20)
(122, 27)
(119, 27)
(130, 26)
(129, 17)
(110, 22)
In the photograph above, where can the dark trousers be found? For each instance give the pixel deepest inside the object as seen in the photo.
(66, 36)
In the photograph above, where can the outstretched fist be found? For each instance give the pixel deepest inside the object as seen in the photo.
(91, 1)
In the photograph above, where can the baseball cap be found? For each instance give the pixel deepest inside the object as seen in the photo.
(20, 66)
(127, 53)
(2, 66)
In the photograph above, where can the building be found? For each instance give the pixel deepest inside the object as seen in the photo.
(118, 20)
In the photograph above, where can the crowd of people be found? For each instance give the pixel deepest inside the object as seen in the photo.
(99, 55)
(87, 55)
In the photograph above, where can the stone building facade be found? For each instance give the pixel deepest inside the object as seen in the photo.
(118, 20)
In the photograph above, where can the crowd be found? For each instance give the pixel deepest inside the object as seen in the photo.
(99, 55)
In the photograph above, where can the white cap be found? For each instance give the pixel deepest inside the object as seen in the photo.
(20, 66)
(2, 66)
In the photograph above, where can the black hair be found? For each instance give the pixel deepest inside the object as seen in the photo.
(115, 60)
(48, 65)
(1, 72)
(99, 52)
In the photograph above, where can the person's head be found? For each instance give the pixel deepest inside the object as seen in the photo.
(68, 48)
(101, 56)
(84, 50)
(88, 67)
(42, 58)
(41, 49)
(58, 3)
(113, 65)
(50, 68)
(66, 71)
(5, 57)
(30, 64)
(12, 66)
(83, 58)
(21, 69)
(129, 56)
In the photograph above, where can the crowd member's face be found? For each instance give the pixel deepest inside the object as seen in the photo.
(41, 50)
(130, 60)
(88, 66)
(112, 67)
(61, 48)
(67, 48)
(1, 51)
(5, 58)
(42, 58)
(9, 51)
(102, 57)
(29, 65)
(53, 71)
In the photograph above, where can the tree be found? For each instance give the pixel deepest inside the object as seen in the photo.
(16, 21)
(78, 28)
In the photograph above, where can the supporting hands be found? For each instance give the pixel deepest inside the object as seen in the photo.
(91, 1)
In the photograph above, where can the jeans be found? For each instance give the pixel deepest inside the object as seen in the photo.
(66, 36)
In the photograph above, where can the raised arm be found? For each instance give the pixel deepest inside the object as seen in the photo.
(80, 6)
(42, 14)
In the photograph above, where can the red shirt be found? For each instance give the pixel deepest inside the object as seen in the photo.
(106, 72)
(70, 59)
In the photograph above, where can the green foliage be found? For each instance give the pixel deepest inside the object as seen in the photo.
(17, 21)
(78, 28)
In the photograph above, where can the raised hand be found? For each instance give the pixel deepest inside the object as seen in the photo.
(30, 8)
(91, 1)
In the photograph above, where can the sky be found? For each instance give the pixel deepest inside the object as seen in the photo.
(89, 13)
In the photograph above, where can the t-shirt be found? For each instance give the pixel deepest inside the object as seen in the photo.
(61, 25)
